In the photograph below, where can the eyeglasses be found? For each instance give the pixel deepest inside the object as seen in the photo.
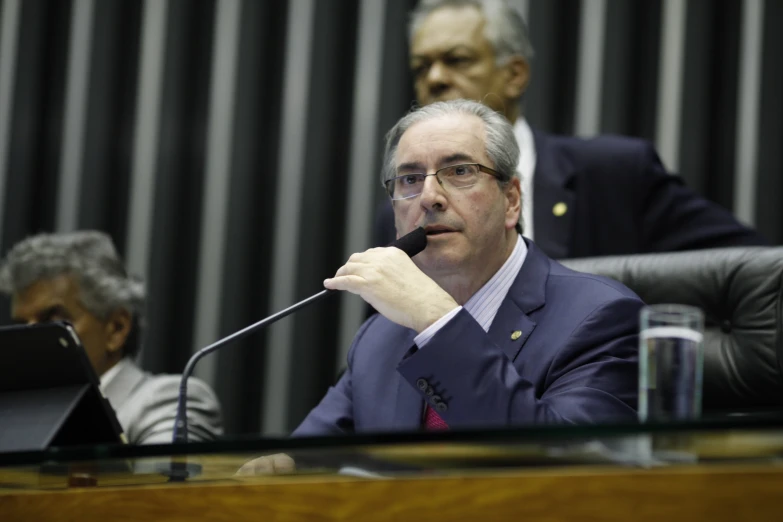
(459, 176)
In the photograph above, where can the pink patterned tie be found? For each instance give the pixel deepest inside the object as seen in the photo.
(432, 420)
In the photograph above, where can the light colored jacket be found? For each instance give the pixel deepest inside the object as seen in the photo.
(146, 406)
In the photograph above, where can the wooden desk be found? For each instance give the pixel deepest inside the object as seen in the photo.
(713, 493)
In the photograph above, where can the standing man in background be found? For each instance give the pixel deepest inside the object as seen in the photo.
(608, 195)
(79, 278)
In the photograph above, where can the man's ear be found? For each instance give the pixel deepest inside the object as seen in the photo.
(517, 77)
(118, 327)
(513, 202)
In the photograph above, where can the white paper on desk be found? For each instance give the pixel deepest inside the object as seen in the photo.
(352, 471)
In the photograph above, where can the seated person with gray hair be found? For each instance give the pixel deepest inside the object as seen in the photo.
(78, 277)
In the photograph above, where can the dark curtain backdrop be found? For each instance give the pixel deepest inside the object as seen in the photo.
(157, 203)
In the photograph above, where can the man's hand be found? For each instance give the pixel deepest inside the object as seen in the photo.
(268, 465)
(392, 284)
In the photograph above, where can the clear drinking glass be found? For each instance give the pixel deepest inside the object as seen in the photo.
(671, 361)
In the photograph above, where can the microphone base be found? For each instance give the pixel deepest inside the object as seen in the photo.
(178, 471)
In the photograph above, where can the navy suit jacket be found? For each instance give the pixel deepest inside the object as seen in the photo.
(574, 362)
(620, 200)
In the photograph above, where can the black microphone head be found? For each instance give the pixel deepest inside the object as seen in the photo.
(411, 243)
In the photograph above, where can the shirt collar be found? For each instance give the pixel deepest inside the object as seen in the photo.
(525, 170)
(485, 303)
(112, 372)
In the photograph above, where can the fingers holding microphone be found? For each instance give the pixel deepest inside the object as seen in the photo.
(390, 282)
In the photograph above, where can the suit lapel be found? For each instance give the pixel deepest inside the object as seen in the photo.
(509, 320)
(554, 197)
(512, 325)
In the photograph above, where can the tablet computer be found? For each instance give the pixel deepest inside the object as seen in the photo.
(49, 392)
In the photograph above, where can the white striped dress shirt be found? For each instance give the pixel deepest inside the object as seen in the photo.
(485, 303)
(525, 171)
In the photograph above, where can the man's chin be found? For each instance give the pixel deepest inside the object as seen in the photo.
(436, 259)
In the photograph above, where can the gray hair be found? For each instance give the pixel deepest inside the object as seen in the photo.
(505, 29)
(90, 257)
(500, 143)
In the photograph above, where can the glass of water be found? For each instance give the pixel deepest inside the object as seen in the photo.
(671, 361)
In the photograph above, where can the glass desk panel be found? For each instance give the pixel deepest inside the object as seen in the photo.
(401, 455)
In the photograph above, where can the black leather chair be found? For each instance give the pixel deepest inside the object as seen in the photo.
(740, 291)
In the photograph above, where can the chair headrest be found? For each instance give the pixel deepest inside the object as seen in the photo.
(740, 291)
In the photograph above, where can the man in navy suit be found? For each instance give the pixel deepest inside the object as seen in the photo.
(481, 328)
(601, 196)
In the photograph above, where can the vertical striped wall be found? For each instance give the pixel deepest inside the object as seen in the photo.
(231, 147)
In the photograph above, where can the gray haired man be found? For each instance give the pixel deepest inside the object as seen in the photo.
(79, 277)
(607, 195)
(480, 329)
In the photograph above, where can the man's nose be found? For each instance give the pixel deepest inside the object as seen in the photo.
(438, 76)
(432, 194)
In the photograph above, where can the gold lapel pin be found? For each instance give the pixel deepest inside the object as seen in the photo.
(516, 334)
(559, 209)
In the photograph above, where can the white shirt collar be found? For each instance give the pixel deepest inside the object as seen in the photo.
(485, 303)
(112, 372)
(525, 170)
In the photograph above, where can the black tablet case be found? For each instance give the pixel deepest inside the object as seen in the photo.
(49, 392)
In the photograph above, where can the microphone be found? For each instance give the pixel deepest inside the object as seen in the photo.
(411, 243)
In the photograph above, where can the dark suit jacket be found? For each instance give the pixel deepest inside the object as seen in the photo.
(575, 361)
(619, 200)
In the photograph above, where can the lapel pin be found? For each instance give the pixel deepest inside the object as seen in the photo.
(516, 334)
(559, 209)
